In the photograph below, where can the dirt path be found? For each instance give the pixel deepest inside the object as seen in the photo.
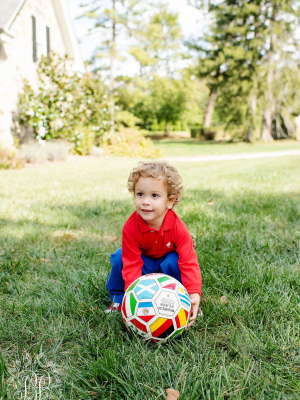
(241, 156)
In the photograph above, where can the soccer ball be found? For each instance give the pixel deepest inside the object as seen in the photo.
(157, 307)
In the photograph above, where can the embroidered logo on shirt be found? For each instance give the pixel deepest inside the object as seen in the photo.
(169, 244)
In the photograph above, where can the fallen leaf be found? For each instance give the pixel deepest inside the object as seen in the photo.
(76, 287)
(194, 243)
(211, 202)
(115, 239)
(64, 207)
(223, 300)
(172, 394)
(93, 393)
(45, 260)
(48, 341)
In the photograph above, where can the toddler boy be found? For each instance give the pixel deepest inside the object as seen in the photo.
(154, 239)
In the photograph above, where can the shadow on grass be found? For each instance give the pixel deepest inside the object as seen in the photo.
(193, 142)
(230, 231)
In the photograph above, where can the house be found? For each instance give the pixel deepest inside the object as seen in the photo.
(28, 29)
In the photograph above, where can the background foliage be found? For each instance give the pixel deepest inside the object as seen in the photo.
(239, 79)
(65, 105)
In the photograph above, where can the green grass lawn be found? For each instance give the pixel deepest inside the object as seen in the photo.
(60, 222)
(193, 147)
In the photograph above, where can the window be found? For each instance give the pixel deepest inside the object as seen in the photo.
(40, 39)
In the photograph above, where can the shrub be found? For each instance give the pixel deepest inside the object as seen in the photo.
(57, 150)
(40, 152)
(130, 142)
(126, 118)
(9, 160)
(63, 101)
(195, 131)
(209, 133)
(82, 140)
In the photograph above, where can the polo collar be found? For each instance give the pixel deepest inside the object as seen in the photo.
(168, 223)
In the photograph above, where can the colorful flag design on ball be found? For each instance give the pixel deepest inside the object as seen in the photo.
(133, 285)
(146, 289)
(162, 328)
(163, 279)
(181, 318)
(185, 299)
(147, 307)
(167, 283)
(177, 333)
(124, 309)
(170, 286)
(146, 310)
(130, 303)
(139, 325)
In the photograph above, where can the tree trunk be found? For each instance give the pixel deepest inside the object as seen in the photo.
(112, 78)
(252, 127)
(210, 108)
(266, 135)
(166, 129)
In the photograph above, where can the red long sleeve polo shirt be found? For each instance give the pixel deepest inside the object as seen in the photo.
(138, 238)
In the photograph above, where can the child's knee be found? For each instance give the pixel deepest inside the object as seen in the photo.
(115, 278)
(116, 258)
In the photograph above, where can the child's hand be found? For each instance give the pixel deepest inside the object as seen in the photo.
(195, 302)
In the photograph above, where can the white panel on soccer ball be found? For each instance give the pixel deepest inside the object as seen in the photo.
(167, 303)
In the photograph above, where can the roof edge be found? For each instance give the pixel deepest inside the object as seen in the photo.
(12, 18)
(68, 33)
(6, 36)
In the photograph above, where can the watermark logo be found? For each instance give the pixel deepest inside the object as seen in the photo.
(32, 386)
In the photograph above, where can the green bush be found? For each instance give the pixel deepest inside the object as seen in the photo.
(126, 118)
(196, 131)
(131, 143)
(82, 140)
(209, 133)
(9, 160)
(63, 101)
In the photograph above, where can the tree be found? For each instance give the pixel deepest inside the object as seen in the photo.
(227, 57)
(158, 43)
(113, 16)
(165, 101)
(278, 22)
(256, 38)
(157, 47)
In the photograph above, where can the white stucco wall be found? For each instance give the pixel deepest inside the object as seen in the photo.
(16, 61)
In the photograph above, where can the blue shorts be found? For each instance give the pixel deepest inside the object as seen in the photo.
(168, 264)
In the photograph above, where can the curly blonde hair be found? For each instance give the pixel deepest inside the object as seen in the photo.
(154, 169)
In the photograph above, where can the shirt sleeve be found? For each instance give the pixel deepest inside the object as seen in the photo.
(131, 258)
(188, 261)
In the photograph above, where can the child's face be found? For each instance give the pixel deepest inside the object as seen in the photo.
(151, 200)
